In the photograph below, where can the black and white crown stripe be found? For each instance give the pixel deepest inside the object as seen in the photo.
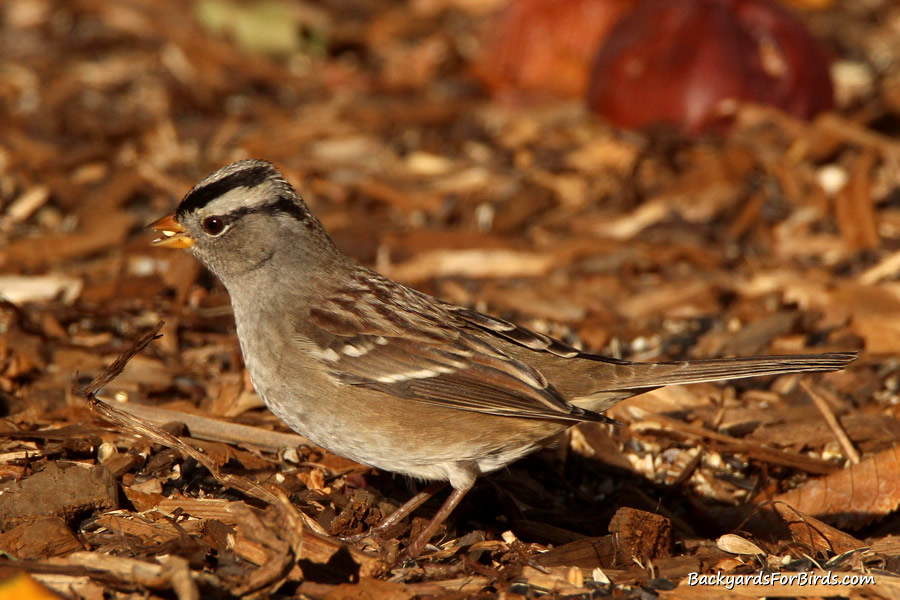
(245, 187)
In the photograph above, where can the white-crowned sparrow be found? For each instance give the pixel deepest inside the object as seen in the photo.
(391, 377)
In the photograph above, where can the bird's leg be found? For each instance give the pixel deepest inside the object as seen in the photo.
(409, 506)
(418, 544)
(401, 513)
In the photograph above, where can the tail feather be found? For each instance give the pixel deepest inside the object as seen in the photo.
(644, 375)
(619, 380)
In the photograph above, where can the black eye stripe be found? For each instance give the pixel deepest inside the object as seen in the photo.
(283, 205)
(287, 206)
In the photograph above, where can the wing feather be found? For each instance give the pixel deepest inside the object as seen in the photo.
(426, 353)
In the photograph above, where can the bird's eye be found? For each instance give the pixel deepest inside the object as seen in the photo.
(214, 225)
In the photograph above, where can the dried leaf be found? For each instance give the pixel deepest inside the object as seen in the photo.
(854, 496)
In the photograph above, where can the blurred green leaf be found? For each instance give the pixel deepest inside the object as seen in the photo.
(267, 27)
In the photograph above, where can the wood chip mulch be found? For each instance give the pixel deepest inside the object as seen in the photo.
(136, 459)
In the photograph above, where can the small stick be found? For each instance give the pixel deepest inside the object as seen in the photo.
(836, 427)
(152, 432)
(155, 434)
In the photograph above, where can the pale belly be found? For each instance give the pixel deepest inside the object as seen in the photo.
(399, 435)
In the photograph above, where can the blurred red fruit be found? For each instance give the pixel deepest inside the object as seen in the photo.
(687, 63)
(545, 47)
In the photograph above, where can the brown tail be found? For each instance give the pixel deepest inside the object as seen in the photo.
(641, 375)
(614, 381)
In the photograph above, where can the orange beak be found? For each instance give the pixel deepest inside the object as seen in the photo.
(173, 235)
